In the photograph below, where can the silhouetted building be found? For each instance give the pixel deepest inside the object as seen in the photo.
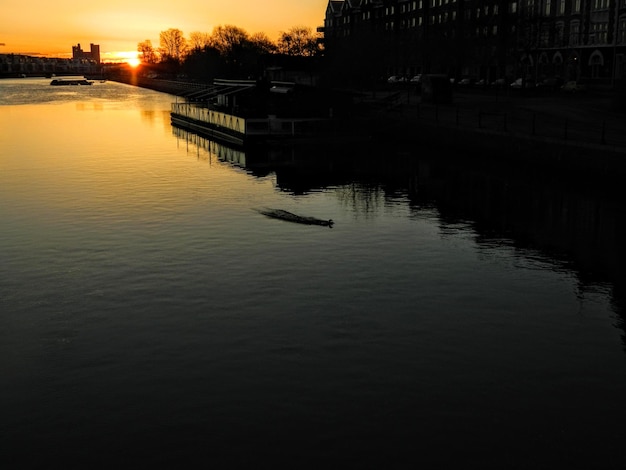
(81, 63)
(366, 40)
(93, 54)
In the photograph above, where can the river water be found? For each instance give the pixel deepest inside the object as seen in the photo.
(150, 315)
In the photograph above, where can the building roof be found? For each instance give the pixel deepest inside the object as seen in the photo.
(334, 6)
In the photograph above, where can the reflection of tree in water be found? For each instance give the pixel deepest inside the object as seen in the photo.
(618, 303)
(364, 199)
(574, 226)
(152, 116)
(148, 115)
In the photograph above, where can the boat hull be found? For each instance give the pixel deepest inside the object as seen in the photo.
(58, 82)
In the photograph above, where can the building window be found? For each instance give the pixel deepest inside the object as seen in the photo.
(548, 7)
(544, 37)
(596, 62)
(599, 33)
(574, 33)
(621, 33)
(561, 7)
(600, 4)
(576, 6)
(558, 34)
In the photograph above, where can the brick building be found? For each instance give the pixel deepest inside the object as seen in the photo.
(366, 40)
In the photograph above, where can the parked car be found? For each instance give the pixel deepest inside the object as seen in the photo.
(466, 82)
(416, 81)
(396, 79)
(550, 84)
(499, 83)
(525, 83)
(573, 87)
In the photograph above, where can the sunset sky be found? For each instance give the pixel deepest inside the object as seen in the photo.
(47, 27)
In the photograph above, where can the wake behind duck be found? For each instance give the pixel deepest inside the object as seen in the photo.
(291, 217)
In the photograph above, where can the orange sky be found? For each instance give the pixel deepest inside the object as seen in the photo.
(51, 27)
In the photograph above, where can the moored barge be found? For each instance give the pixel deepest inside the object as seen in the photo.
(60, 82)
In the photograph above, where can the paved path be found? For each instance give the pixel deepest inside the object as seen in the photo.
(589, 119)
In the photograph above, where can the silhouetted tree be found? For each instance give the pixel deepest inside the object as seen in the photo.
(198, 40)
(204, 64)
(238, 50)
(298, 41)
(173, 45)
(262, 43)
(228, 39)
(148, 54)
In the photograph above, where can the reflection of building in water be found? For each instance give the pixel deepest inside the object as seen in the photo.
(223, 153)
(576, 226)
(297, 168)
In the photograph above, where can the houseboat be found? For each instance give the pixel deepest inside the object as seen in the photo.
(241, 112)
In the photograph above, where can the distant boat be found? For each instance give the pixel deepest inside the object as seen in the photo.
(58, 82)
(100, 77)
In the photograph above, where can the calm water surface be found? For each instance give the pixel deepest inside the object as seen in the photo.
(149, 314)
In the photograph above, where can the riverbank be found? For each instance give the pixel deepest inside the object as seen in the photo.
(570, 133)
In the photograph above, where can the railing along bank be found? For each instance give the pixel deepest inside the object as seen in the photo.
(246, 127)
(528, 123)
(211, 117)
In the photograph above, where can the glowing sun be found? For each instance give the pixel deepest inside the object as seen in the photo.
(129, 57)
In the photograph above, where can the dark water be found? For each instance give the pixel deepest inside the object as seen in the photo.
(455, 315)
